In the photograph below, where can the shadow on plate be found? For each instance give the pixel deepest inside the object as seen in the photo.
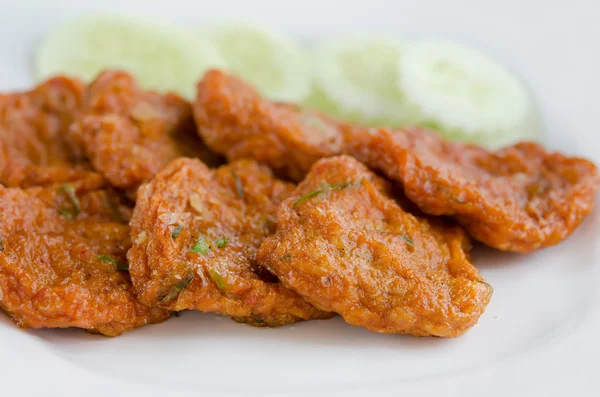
(191, 324)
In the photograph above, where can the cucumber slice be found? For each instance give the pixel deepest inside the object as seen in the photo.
(319, 101)
(359, 75)
(465, 95)
(161, 56)
(266, 58)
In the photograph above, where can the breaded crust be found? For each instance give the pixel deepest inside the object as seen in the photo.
(520, 198)
(34, 147)
(234, 120)
(346, 247)
(196, 232)
(63, 261)
(129, 134)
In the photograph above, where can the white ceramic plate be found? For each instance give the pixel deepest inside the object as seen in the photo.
(538, 335)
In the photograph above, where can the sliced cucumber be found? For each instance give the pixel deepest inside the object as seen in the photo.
(320, 101)
(465, 95)
(266, 58)
(161, 56)
(359, 76)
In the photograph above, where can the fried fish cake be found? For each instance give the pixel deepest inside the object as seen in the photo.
(53, 209)
(129, 134)
(196, 232)
(236, 121)
(63, 261)
(520, 198)
(346, 247)
(33, 143)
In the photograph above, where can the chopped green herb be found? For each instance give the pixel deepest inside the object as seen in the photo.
(120, 265)
(286, 257)
(177, 288)
(218, 279)
(107, 259)
(323, 189)
(404, 237)
(256, 321)
(253, 319)
(222, 242)
(66, 213)
(307, 196)
(70, 213)
(1, 244)
(238, 185)
(407, 239)
(201, 246)
(176, 231)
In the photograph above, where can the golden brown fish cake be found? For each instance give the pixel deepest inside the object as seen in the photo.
(62, 261)
(234, 120)
(346, 247)
(66, 280)
(520, 198)
(33, 143)
(196, 232)
(53, 209)
(130, 134)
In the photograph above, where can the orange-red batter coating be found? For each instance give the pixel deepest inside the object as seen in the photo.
(129, 134)
(196, 232)
(34, 148)
(520, 198)
(63, 261)
(234, 120)
(346, 247)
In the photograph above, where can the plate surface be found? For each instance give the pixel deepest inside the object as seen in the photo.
(537, 337)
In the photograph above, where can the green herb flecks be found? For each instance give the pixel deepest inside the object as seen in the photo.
(1, 244)
(201, 246)
(71, 193)
(324, 188)
(222, 242)
(285, 257)
(218, 279)
(238, 185)
(254, 320)
(177, 288)
(120, 265)
(307, 196)
(176, 231)
(407, 239)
